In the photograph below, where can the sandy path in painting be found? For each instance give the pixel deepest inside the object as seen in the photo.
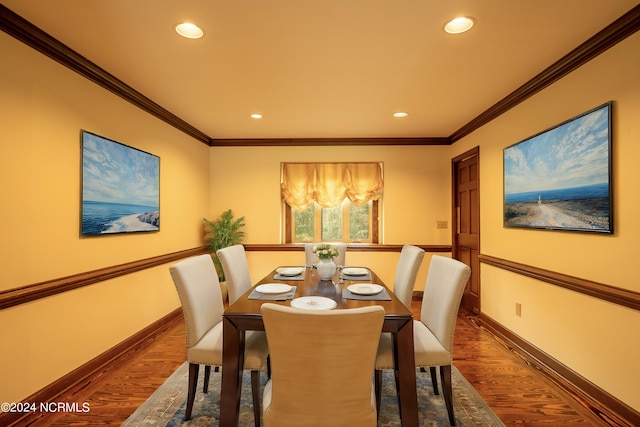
(547, 215)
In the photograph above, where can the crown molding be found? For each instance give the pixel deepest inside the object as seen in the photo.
(304, 142)
(611, 35)
(21, 29)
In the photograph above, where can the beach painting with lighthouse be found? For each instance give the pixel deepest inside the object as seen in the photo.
(560, 179)
(120, 188)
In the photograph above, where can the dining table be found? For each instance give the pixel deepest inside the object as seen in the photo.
(244, 315)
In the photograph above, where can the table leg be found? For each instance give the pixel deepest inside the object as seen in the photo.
(406, 367)
(232, 366)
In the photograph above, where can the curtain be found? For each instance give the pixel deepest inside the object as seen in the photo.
(329, 184)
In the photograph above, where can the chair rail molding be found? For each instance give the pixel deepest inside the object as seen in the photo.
(17, 296)
(624, 297)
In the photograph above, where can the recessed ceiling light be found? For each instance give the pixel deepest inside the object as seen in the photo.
(400, 114)
(256, 116)
(459, 25)
(189, 30)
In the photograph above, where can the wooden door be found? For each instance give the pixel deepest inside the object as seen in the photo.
(466, 221)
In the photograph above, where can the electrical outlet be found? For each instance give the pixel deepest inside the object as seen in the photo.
(442, 224)
(518, 309)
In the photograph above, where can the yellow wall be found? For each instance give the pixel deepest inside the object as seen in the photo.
(592, 337)
(43, 107)
(417, 194)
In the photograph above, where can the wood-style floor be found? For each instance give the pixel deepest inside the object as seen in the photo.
(516, 392)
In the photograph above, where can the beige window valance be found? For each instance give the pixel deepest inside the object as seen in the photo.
(330, 183)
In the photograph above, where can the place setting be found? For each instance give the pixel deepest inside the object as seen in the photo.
(366, 291)
(273, 292)
(355, 273)
(314, 302)
(289, 273)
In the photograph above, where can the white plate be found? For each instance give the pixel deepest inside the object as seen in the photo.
(365, 289)
(273, 288)
(290, 271)
(313, 303)
(355, 271)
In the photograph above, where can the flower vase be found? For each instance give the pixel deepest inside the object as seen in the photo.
(326, 269)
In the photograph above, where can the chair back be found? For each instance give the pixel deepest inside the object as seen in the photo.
(406, 272)
(236, 270)
(443, 291)
(198, 287)
(311, 258)
(322, 365)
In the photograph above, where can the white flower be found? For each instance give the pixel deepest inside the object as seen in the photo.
(325, 251)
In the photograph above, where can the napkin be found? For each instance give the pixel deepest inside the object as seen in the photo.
(382, 296)
(273, 297)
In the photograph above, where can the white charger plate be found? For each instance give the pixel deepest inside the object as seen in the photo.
(313, 303)
(289, 271)
(355, 271)
(365, 289)
(273, 288)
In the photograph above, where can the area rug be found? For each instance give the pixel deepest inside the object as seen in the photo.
(167, 405)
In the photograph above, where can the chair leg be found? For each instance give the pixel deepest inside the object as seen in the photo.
(378, 388)
(255, 390)
(207, 375)
(447, 390)
(268, 366)
(191, 392)
(434, 379)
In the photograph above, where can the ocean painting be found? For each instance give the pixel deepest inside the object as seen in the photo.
(561, 179)
(120, 188)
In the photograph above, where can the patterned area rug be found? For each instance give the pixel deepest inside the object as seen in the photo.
(167, 405)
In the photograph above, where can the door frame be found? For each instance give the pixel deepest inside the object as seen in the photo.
(455, 217)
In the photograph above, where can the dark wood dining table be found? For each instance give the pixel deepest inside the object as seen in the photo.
(244, 315)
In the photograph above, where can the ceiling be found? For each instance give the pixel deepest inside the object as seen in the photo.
(323, 69)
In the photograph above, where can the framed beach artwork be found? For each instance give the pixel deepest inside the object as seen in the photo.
(120, 188)
(560, 179)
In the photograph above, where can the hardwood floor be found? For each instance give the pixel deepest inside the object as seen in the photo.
(516, 392)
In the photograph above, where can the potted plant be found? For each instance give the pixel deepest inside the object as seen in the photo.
(223, 232)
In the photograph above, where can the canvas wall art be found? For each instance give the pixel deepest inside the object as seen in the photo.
(120, 187)
(560, 179)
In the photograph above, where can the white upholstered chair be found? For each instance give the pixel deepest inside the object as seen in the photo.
(236, 270)
(322, 363)
(311, 258)
(406, 273)
(199, 290)
(433, 333)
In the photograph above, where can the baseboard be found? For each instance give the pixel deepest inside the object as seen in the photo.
(92, 370)
(612, 411)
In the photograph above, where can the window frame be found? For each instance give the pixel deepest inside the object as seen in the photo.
(374, 224)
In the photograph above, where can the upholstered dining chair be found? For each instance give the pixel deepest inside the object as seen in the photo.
(433, 333)
(406, 273)
(236, 270)
(311, 258)
(199, 290)
(321, 366)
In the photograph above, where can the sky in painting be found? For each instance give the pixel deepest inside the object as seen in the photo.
(115, 173)
(574, 154)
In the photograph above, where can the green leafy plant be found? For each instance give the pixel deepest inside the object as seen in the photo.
(223, 232)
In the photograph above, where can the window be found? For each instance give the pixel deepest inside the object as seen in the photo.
(345, 223)
(331, 201)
